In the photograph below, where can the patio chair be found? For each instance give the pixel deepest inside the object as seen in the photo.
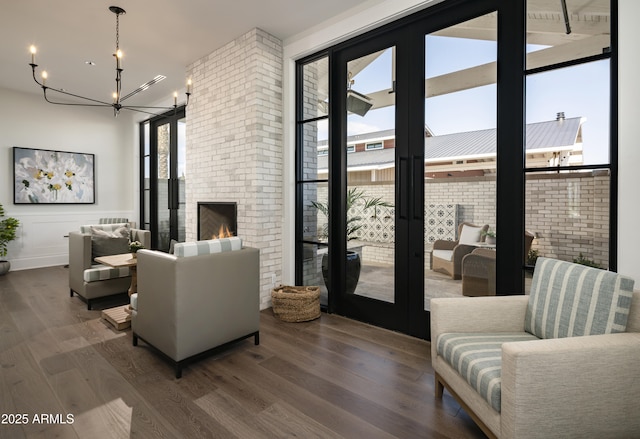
(479, 270)
(446, 256)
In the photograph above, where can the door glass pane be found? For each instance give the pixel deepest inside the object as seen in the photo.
(315, 151)
(460, 159)
(370, 176)
(315, 86)
(182, 178)
(565, 30)
(315, 232)
(163, 159)
(568, 116)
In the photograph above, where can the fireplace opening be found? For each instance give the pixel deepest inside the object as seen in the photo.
(217, 218)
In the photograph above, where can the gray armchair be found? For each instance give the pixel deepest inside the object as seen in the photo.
(90, 280)
(559, 363)
(190, 304)
(446, 256)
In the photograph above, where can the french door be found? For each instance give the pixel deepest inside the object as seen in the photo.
(163, 178)
(375, 170)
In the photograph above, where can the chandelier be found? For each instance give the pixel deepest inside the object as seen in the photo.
(118, 99)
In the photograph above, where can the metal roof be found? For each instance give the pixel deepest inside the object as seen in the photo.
(542, 136)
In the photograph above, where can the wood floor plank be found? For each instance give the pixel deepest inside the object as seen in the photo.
(401, 396)
(248, 367)
(327, 378)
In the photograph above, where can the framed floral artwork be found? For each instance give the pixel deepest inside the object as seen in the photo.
(42, 176)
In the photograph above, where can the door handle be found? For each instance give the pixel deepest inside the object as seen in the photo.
(417, 179)
(404, 198)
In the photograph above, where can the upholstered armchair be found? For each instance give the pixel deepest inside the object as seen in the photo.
(198, 300)
(559, 363)
(446, 256)
(479, 270)
(91, 280)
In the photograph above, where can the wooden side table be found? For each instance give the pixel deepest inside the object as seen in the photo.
(120, 316)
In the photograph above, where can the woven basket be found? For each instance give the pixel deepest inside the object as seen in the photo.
(296, 304)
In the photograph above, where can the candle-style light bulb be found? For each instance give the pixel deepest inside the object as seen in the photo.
(189, 84)
(115, 97)
(45, 75)
(32, 49)
(118, 57)
(175, 98)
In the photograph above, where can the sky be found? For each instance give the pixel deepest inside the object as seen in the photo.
(579, 91)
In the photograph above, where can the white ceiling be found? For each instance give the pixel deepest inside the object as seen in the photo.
(156, 36)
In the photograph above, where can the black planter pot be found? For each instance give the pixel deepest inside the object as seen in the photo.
(353, 270)
(5, 266)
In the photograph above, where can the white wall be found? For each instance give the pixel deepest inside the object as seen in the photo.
(27, 121)
(375, 13)
(628, 148)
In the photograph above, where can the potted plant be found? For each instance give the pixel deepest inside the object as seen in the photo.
(8, 228)
(134, 246)
(355, 197)
(490, 237)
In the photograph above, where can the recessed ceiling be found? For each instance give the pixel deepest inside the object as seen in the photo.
(159, 37)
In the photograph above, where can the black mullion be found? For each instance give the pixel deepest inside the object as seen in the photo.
(510, 181)
(569, 63)
(337, 180)
(613, 141)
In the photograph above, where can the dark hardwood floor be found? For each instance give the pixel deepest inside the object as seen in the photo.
(329, 378)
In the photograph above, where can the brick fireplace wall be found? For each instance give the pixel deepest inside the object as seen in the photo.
(235, 144)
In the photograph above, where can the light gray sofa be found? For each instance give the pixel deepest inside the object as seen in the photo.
(524, 367)
(192, 303)
(91, 280)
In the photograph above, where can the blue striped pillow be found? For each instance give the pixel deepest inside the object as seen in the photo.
(570, 300)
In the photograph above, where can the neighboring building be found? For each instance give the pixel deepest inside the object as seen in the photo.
(371, 156)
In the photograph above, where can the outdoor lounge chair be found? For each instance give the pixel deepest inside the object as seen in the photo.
(446, 256)
(479, 270)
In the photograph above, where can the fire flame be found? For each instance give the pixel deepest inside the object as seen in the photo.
(224, 232)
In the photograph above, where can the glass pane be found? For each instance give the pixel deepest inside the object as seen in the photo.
(460, 160)
(147, 172)
(370, 176)
(182, 178)
(315, 229)
(315, 151)
(568, 116)
(559, 31)
(146, 139)
(315, 96)
(163, 186)
(568, 214)
(147, 209)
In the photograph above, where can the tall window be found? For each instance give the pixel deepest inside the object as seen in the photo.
(568, 136)
(312, 173)
(163, 177)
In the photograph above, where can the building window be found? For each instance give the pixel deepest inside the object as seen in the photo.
(373, 146)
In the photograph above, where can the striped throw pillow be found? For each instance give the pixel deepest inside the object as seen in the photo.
(186, 249)
(570, 300)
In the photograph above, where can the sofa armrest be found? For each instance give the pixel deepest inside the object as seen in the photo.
(476, 314)
(478, 264)
(571, 387)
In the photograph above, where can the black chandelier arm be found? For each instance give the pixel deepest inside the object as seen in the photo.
(97, 102)
(46, 98)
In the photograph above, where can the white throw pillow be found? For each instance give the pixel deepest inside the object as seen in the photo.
(470, 235)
